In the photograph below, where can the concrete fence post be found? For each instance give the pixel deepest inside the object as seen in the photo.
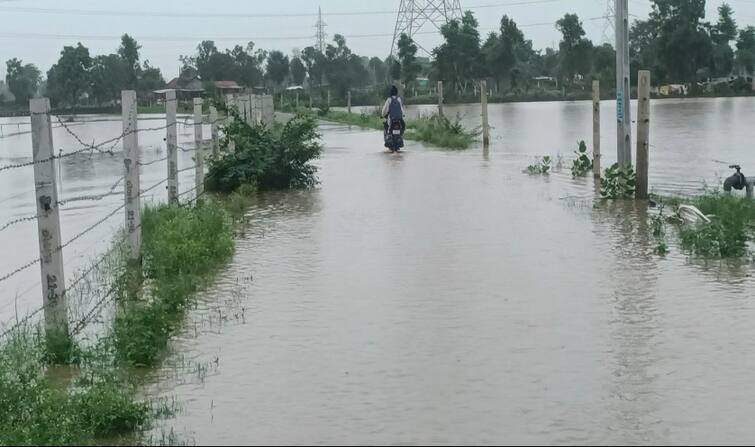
(348, 101)
(199, 150)
(171, 139)
(48, 221)
(440, 98)
(596, 129)
(485, 124)
(131, 173)
(230, 103)
(643, 133)
(214, 130)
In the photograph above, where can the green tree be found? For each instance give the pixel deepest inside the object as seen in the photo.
(575, 51)
(726, 29)
(150, 79)
(298, 71)
(23, 80)
(343, 68)
(129, 52)
(682, 44)
(507, 55)
(604, 65)
(315, 63)
(109, 75)
(378, 69)
(277, 67)
(459, 59)
(746, 50)
(248, 63)
(407, 56)
(69, 78)
(394, 69)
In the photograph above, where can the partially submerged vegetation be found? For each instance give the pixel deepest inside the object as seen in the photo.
(542, 166)
(435, 129)
(618, 182)
(94, 395)
(276, 157)
(582, 165)
(728, 232)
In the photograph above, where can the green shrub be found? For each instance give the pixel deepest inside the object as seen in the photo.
(266, 157)
(732, 226)
(542, 166)
(618, 182)
(583, 164)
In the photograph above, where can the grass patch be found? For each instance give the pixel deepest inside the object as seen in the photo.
(728, 235)
(182, 249)
(436, 129)
(732, 226)
(35, 409)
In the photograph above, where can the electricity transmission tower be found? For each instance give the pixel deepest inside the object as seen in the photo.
(608, 27)
(414, 16)
(320, 36)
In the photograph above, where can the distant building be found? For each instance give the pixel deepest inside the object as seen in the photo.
(227, 87)
(185, 85)
(673, 89)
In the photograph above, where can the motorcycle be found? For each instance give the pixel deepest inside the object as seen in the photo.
(394, 138)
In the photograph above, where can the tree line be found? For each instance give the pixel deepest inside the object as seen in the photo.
(675, 42)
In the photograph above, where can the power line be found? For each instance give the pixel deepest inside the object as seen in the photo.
(235, 15)
(236, 38)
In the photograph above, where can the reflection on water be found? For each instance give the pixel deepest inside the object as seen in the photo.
(445, 297)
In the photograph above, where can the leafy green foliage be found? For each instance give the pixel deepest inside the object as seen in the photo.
(436, 129)
(407, 56)
(35, 410)
(618, 182)
(440, 131)
(583, 164)
(23, 79)
(266, 157)
(732, 226)
(542, 166)
(658, 225)
(182, 247)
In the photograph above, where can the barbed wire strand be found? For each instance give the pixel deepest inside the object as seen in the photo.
(95, 197)
(18, 221)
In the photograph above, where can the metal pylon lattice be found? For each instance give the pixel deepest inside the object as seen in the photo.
(608, 26)
(320, 36)
(417, 16)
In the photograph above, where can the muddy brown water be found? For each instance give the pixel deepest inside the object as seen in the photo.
(445, 297)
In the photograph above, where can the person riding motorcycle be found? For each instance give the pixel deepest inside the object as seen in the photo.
(393, 110)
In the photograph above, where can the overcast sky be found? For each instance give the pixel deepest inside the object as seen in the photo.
(36, 30)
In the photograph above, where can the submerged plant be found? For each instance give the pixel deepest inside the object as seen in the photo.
(732, 225)
(583, 164)
(658, 225)
(618, 182)
(542, 166)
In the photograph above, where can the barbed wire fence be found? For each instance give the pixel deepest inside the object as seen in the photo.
(83, 317)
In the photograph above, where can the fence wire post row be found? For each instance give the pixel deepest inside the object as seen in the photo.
(48, 222)
(131, 173)
(171, 107)
(53, 284)
(198, 154)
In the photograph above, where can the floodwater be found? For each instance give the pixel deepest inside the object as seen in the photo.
(87, 174)
(448, 298)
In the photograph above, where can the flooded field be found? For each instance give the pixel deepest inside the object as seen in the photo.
(445, 297)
